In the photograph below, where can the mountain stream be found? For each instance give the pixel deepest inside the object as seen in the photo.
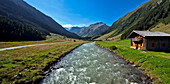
(91, 64)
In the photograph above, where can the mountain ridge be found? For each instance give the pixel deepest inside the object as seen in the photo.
(93, 29)
(144, 17)
(75, 29)
(20, 11)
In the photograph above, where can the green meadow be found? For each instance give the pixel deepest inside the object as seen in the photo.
(28, 64)
(155, 64)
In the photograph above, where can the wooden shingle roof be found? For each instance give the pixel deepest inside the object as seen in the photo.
(150, 34)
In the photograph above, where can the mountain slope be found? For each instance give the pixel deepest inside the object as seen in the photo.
(92, 30)
(14, 31)
(22, 12)
(75, 29)
(162, 27)
(144, 17)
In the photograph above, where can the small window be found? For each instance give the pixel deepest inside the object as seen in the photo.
(153, 44)
(163, 44)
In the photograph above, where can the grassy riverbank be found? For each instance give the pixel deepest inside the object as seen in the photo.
(29, 63)
(156, 64)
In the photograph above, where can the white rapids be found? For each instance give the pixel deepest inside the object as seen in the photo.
(90, 64)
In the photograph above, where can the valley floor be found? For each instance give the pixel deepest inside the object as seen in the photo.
(30, 63)
(16, 47)
(14, 44)
(155, 64)
(53, 38)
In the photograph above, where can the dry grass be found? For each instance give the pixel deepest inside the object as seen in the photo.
(13, 44)
(104, 37)
(35, 59)
(162, 27)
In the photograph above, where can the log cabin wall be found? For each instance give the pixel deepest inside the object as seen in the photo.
(144, 44)
(157, 43)
(169, 44)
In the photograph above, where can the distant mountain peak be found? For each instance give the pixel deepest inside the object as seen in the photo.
(76, 29)
(98, 23)
(93, 29)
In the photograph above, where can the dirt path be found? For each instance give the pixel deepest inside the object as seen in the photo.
(3, 49)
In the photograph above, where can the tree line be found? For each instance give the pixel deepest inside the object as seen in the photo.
(16, 31)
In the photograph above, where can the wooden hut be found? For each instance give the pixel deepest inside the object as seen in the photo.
(150, 40)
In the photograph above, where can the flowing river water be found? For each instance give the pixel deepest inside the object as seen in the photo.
(90, 64)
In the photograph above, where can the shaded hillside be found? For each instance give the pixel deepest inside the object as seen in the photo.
(15, 31)
(22, 12)
(92, 30)
(75, 29)
(144, 17)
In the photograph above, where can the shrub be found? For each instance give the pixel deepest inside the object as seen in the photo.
(113, 47)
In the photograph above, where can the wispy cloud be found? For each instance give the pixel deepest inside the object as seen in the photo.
(67, 25)
(70, 25)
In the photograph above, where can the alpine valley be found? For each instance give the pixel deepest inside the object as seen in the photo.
(21, 22)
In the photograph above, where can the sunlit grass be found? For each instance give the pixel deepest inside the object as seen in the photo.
(30, 61)
(156, 64)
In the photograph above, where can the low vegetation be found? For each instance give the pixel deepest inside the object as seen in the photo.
(155, 64)
(52, 38)
(29, 64)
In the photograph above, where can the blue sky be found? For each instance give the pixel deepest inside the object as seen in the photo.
(85, 12)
